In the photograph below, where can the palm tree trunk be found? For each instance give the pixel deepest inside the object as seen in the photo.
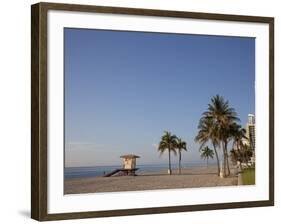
(239, 159)
(217, 157)
(224, 161)
(207, 162)
(227, 162)
(179, 162)
(170, 170)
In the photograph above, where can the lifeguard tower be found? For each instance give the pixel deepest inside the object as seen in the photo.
(128, 166)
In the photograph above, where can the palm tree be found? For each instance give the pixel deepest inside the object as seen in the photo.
(238, 135)
(208, 131)
(247, 153)
(223, 116)
(181, 145)
(207, 153)
(168, 142)
(235, 156)
(243, 155)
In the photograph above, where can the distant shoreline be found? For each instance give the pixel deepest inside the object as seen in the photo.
(192, 177)
(98, 171)
(187, 164)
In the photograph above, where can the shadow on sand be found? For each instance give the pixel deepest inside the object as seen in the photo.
(176, 174)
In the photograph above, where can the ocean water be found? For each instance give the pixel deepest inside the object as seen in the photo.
(95, 171)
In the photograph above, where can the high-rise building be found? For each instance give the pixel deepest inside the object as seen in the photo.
(251, 131)
(251, 119)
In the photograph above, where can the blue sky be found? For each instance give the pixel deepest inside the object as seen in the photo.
(123, 89)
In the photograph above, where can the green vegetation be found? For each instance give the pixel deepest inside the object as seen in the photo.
(181, 145)
(208, 132)
(168, 143)
(207, 153)
(172, 143)
(248, 176)
(217, 125)
(242, 152)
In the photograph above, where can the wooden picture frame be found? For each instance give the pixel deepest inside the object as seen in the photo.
(39, 110)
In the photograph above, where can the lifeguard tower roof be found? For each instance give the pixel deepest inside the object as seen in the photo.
(129, 156)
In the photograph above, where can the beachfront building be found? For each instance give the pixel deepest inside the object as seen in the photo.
(250, 131)
(250, 140)
(251, 134)
(129, 161)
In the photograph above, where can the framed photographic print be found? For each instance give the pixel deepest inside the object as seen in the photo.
(141, 111)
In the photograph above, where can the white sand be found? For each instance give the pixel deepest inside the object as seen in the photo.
(190, 178)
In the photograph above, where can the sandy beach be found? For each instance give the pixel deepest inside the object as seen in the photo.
(190, 178)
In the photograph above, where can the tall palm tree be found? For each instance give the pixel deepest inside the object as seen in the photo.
(207, 153)
(208, 131)
(223, 117)
(168, 143)
(181, 145)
